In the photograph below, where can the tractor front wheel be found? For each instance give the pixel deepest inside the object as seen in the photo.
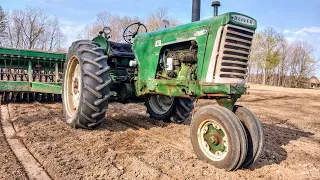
(218, 137)
(86, 85)
(254, 132)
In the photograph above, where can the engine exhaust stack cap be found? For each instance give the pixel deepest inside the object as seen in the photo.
(215, 5)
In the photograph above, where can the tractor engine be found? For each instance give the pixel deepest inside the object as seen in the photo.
(178, 61)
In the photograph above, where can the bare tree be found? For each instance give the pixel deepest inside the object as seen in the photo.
(54, 34)
(284, 59)
(31, 28)
(89, 31)
(302, 64)
(15, 34)
(3, 25)
(275, 61)
(268, 41)
(118, 24)
(155, 19)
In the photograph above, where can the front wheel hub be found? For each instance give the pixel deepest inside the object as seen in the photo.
(213, 140)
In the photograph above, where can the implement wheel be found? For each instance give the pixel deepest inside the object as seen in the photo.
(218, 137)
(254, 132)
(168, 109)
(86, 85)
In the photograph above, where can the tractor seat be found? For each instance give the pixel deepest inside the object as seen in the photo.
(121, 50)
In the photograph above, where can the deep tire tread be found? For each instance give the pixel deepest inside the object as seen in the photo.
(106, 84)
(179, 112)
(96, 93)
(95, 84)
(90, 51)
(107, 69)
(86, 60)
(99, 101)
(98, 59)
(91, 106)
(95, 115)
(183, 110)
(88, 118)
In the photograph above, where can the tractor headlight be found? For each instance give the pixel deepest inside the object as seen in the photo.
(106, 30)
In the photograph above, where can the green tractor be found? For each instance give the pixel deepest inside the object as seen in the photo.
(169, 69)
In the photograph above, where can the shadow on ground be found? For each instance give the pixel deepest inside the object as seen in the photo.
(277, 136)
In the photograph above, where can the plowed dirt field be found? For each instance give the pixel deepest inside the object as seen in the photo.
(130, 145)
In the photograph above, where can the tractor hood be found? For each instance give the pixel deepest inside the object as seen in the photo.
(147, 47)
(213, 23)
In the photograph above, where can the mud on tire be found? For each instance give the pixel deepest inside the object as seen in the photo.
(86, 86)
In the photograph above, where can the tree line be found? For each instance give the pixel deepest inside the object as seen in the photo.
(31, 28)
(278, 62)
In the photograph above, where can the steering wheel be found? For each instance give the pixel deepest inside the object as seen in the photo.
(133, 30)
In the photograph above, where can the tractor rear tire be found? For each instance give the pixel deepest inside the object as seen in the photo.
(86, 85)
(254, 132)
(218, 137)
(171, 109)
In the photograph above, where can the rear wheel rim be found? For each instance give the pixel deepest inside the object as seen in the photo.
(72, 86)
(213, 140)
(161, 104)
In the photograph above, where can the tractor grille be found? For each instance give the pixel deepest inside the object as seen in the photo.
(234, 52)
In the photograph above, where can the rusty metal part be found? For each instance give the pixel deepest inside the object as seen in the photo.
(189, 58)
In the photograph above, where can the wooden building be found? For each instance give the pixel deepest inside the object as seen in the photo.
(314, 82)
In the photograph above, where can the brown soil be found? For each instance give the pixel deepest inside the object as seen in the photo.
(10, 166)
(132, 145)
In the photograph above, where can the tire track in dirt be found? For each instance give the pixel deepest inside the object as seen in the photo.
(11, 168)
(31, 166)
(176, 135)
(142, 129)
(162, 171)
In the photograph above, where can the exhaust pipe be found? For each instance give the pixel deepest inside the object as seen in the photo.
(215, 5)
(196, 10)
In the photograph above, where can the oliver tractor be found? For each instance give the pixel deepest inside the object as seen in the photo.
(169, 69)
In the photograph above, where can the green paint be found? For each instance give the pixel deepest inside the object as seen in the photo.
(188, 82)
(17, 58)
(54, 88)
(148, 47)
(30, 71)
(25, 86)
(31, 54)
(31, 60)
(16, 86)
(103, 42)
(228, 102)
(212, 137)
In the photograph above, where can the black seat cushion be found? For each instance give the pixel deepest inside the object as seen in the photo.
(121, 50)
